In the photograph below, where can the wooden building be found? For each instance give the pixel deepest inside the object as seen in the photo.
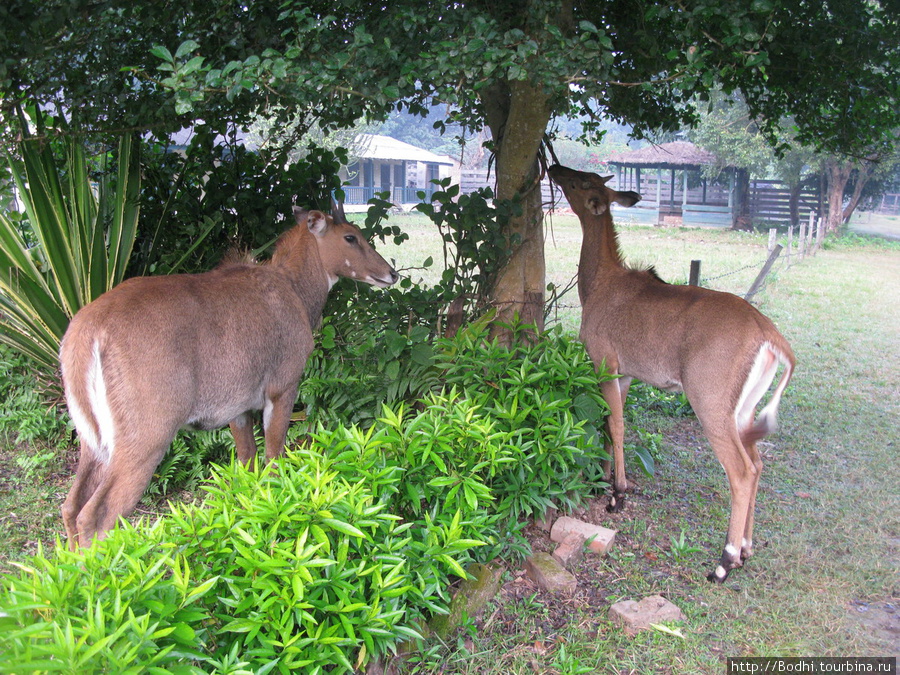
(388, 165)
(674, 191)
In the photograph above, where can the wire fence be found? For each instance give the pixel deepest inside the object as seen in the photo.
(779, 258)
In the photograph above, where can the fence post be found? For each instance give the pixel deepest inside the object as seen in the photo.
(694, 279)
(754, 287)
(801, 238)
(790, 244)
(820, 234)
(809, 233)
(773, 233)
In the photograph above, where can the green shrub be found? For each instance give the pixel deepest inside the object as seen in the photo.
(72, 245)
(378, 346)
(544, 394)
(315, 564)
(348, 381)
(187, 462)
(848, 239)
(547, 394)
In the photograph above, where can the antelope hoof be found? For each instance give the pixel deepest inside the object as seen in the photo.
(718, 575)
(731, 559)
(616, 502)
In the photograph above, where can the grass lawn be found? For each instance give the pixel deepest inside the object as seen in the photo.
(824, 580)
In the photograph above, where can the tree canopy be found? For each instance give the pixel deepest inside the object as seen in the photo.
(507, 67)
(114, 65)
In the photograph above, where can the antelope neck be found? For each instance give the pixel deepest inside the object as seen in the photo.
(599, 251)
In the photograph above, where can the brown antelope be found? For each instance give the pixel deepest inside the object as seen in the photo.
(714, 346)
(156, 354)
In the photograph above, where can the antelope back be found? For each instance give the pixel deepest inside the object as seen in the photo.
(587, 192)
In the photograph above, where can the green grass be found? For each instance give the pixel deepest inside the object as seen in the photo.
(828, 522)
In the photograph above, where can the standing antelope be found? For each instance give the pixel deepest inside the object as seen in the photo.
(714, 346)
(156, 354)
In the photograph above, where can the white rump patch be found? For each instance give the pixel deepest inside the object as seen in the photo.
(755, 386)
(82, 423)
(267, 413)
(96, 391)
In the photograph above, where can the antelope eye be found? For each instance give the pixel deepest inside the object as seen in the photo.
(350, 238)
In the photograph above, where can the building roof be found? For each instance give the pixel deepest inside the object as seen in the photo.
(374, 146)
(676, 155)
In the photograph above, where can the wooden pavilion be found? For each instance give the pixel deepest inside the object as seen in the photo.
(670, 180)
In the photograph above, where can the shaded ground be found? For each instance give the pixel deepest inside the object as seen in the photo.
(31, 513)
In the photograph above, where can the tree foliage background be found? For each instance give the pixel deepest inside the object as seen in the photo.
(827, 70)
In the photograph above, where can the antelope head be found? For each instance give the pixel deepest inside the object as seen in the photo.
(587, 192)
(344, 250)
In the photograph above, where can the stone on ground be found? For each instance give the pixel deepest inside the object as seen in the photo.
(570, 550)
(600, 538)
(636, 616)
(549, 575)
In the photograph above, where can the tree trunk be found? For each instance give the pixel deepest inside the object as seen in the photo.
(740, 218)
(838, 174)
(517, 114)
(863, 171)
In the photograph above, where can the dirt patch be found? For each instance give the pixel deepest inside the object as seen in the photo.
(881, 620)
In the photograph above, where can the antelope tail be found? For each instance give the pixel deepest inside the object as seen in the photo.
(86, 394)
(767, 421)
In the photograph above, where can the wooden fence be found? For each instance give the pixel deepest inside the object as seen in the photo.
(707, 204)
(890, 204)
(770, 202)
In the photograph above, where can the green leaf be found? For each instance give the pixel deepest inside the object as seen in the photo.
(201, 590)
(76, 258)
(345, 528)
(185, 48)
(161, 52)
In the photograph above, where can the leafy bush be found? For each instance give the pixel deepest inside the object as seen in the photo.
(377, 346)
(303, 566)
(187, 462)
(849, 239)
(547, 394)
(333, 555)
(219, 193)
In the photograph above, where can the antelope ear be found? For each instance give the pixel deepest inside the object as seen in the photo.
(299, 214)
(317, 222)
(628, 198)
